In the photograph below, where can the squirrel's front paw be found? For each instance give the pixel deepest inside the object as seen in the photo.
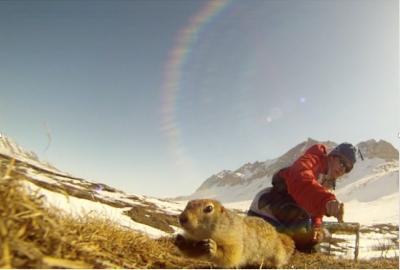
(209, 246)
(180, 240)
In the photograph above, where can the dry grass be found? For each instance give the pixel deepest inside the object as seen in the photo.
(322, 261)
(32, 236)
(36, 237)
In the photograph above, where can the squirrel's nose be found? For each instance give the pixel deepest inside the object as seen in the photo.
(183, 219)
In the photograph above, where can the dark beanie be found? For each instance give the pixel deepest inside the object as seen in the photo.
(346, 150)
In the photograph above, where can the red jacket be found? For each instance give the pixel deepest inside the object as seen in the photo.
(302, 182)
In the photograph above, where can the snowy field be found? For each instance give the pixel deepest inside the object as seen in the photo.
(372, 244)
(81, 207)
(370, 194)
(384, 210)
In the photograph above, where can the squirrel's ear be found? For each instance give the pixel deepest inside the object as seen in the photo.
(222, 209)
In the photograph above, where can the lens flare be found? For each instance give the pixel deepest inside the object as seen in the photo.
(303, 100)
(172, 82)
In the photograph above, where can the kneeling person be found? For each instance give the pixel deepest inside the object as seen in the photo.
(300, 194)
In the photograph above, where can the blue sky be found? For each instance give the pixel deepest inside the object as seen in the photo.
(258, 78)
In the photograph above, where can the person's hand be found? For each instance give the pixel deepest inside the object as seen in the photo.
(318, 235)
(333, 208)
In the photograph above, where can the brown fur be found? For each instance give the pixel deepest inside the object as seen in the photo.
(231, 240)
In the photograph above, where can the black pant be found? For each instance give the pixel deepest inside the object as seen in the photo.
(293, 219)
(285, 209)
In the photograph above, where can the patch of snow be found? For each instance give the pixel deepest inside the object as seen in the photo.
(222, 173)
(383, 210)
(34, 174)
(35, 163)
(80, 207)
(177, 230)
(117, 196)
(169, 207)
(369, 246)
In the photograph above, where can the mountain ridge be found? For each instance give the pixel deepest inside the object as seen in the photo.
(244, 182)
(261, 172)
(10, 148)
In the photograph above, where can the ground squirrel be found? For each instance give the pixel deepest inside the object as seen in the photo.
(231, 240)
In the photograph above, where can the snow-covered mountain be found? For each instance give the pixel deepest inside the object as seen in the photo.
(10, 148)
(375, 176)
(81, 197)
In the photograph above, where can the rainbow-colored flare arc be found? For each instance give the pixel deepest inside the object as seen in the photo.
(177, 57)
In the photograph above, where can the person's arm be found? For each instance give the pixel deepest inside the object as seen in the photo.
(304, 188)
(316, 221)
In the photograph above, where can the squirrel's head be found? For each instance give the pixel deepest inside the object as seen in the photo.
(200, 216)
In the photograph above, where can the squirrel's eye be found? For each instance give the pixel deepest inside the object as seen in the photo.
(208, 209)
